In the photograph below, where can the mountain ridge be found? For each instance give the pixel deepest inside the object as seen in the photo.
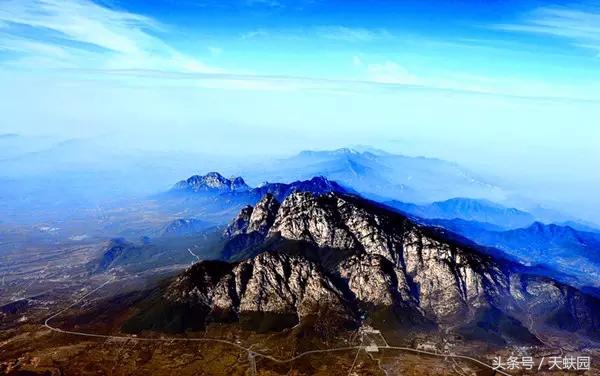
(382, 175)
(215, 185)
(469, 209)
(563, 249)
(373, 258)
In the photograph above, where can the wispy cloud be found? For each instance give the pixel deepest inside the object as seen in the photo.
(268, 3)
(85, 33)
(254, 34)
(350, 34)
(581, 27)
(391, 73)
(339, 33)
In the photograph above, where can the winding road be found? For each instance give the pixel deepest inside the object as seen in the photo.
(251, 353)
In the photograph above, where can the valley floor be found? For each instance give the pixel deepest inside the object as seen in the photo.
(65, 341)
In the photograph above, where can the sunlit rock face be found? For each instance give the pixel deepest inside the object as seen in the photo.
(355, 256)
(390, 255)
(263, 215)
(269, 283)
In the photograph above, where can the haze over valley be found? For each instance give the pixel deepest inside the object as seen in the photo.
(278, 187)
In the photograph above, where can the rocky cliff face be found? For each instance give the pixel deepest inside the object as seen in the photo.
(263, 216)
(212, 182)
(240, 222)
(393, 261)
(217, 185)
(273, 283)
(354, 256)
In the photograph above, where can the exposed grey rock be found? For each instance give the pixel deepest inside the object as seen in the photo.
(212, 182)
(385, 260)
(446, 283)
(263, 215)
(240, 223)
(269, 283)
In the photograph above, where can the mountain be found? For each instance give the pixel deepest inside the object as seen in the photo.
(351, 261)
(47, 179)
(115, 250)
(212, 182)
(579, 226)
(317, 185)
(216, 199)
(167, 251)
(381, 175)
(250, 227)
(467, 209)
(557, 248)
(185, 226)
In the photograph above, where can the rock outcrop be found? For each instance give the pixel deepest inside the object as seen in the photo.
(215, 184)
(355, 256)
(263, 216)
(212, 182)
(240, 223)
(273, 283)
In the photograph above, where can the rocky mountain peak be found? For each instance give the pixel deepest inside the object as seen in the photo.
(317, 185)
(212, 182)
(240, 223)
(357, 256)
(263, 215)
(273, 283)
(238, 183)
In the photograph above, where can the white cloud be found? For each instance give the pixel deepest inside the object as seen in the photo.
(391, 73)
(82, 21)
(338, 33)
(92, 35)
(581, 27)
(23, 45)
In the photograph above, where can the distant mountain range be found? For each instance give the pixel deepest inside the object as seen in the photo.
(207, 200)
(50, 177)
(512, 231)
(380, 175)
(214, 184)
(215, 198)
(470, 210)
(557, 248)
(571, 249)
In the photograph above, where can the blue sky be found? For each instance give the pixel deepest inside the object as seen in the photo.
(490, 84)
(529, 48)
